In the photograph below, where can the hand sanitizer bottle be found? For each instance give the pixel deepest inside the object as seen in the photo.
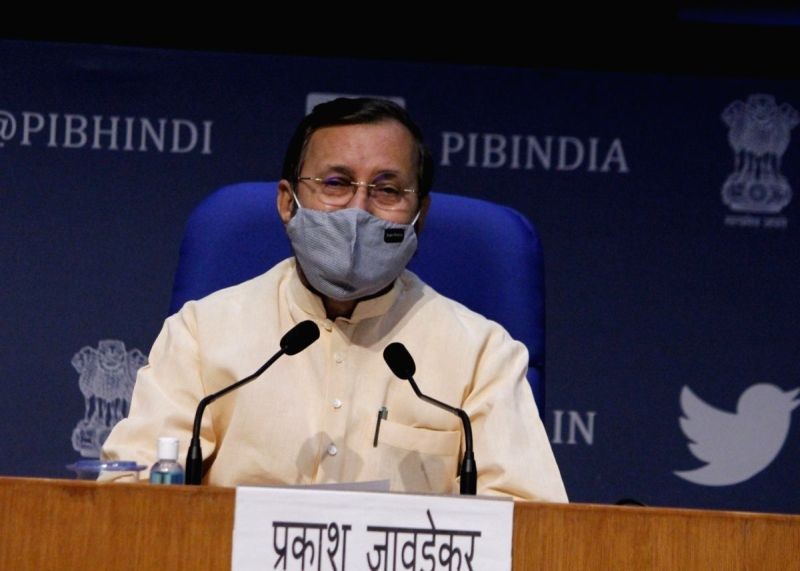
(167, 470)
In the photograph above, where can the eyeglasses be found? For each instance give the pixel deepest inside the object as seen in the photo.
(338, 191)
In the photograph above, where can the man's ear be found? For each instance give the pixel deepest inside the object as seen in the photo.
(423, 212)
(285, 201)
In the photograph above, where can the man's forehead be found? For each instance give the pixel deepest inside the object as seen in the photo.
(346, 146)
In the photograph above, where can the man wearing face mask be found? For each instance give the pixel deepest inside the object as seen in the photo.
(353, 197)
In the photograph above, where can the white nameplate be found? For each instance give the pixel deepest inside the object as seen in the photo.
(325, 530)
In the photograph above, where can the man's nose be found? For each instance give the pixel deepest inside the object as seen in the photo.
(360, 196)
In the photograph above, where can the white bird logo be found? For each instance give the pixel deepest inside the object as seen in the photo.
(736, 446)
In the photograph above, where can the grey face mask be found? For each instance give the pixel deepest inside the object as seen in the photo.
(349, 254)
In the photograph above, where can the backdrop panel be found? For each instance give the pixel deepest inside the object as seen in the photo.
(665, 206)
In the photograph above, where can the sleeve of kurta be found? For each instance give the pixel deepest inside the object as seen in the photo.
(165, 397)
(512, 451)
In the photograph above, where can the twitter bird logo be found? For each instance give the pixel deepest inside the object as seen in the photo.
(736, 446)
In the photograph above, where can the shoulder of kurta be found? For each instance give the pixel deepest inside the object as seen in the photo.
(445, 313)
(221, 302)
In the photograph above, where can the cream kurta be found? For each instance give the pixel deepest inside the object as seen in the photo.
(311, 417)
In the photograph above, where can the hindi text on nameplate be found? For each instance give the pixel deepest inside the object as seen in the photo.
(290, 529)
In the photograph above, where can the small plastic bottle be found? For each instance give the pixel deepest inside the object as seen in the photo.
(167, 470)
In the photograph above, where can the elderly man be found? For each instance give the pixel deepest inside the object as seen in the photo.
(353, 197)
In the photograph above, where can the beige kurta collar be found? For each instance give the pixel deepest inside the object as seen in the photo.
(304, 304)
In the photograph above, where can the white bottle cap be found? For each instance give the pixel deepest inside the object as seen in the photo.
(168, 448)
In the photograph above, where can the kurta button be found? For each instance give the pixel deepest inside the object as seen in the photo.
(338, 357)
(327, 325)
(332, 450)
(336, 403)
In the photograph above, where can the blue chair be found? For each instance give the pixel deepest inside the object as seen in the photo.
(484, 255)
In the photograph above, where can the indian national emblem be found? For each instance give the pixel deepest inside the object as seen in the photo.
(759, 133)
(107, 375)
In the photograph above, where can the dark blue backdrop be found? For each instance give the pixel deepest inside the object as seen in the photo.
(654, 282)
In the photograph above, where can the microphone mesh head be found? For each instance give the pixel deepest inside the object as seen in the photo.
(399, 360)
(299, 337)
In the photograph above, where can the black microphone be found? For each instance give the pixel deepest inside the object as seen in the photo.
(296, 339)
(402, 365)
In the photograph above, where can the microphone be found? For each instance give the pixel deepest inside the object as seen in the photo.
(295, 340)
(402, 365)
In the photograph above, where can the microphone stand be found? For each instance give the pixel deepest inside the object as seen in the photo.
(469, 470)
(194, 457)
(295, 340)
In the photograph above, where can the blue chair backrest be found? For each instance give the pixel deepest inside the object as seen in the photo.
(483, 255)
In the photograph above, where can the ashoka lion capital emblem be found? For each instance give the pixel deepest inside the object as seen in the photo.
(107, 375)
(759, 133)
